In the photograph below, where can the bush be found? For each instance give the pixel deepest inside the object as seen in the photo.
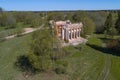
(2, 39)
(61, 62)
(114, 45)
(24, 64)
(18, 31)
(19, 35)
(60, 70)
(61, 67)
(40, 63)
(58, 54)
(66, 41)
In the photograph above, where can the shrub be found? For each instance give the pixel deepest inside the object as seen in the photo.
(61, 62)
(60, 70)
(2, 39)
(24, 64)
(66, 41)
(61, 67)
(114, 45)
(18, 31)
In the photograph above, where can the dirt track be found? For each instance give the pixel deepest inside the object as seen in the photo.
(26, 31)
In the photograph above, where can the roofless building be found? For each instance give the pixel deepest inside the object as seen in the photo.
(68, 31)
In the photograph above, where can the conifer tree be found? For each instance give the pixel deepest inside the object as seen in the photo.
(110, 29)
(117, 24)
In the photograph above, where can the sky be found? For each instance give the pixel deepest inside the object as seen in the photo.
(51, 5)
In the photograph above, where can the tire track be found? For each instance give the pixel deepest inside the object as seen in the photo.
(106, 69)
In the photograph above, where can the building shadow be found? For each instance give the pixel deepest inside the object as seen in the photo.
(104, 50)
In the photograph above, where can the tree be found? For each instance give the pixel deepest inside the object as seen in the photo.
(7, 20)
(44, 49)
(77, 16)
(20, 16)
(11, 21)
(40, 50)
(1, 10)
(98, 18)
(88, 26)
(117, 24)
(55, 16)
(109, 26)
(108, 22)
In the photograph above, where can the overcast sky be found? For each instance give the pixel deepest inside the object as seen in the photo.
(45, 5)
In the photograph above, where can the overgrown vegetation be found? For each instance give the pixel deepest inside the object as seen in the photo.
(94, 20)
(97, 60)
(88, 60)
(44, 54)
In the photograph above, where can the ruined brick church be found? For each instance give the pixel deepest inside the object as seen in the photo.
(68, 31)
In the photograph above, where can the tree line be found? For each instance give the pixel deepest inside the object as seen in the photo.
(111, 26)
(13, 19)
(93, 21)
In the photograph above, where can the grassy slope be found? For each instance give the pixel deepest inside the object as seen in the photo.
(115, 69)
(9, 50)
(85, 64)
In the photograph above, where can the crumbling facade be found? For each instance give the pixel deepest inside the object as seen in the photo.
(69, 32)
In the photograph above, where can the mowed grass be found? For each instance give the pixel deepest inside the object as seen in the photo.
(87, 63)
(115, 68)
(114, 62)
(9, 51)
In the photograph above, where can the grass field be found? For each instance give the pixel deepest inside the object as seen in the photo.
(9, 50)
(90, 63)
(9, 32)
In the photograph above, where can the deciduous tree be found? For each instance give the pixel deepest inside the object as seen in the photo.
(40, 50)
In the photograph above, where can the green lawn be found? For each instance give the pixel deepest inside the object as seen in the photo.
(90, 63)
(9, 51)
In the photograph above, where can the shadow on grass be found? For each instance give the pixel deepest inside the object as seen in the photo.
(106, 39)
(104, 50)
(24, 64)
(2, 39)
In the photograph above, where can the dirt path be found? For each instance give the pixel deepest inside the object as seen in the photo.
(27, 30)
